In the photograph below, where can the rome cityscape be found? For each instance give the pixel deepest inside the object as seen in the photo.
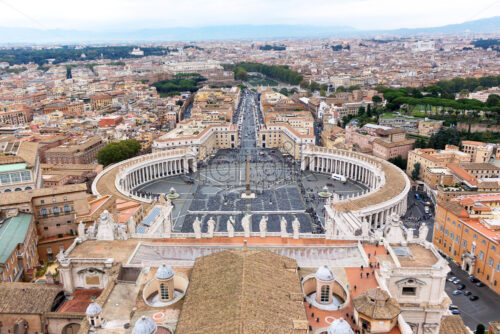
(323, 167)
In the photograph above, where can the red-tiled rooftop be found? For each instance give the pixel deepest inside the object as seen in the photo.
(81, 299)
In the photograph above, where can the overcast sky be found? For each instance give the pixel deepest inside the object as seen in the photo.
(134, 14)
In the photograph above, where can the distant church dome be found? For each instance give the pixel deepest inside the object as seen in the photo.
(339, 326)
(93, 309)
(164, 272)
(145, 325)
(325, 274)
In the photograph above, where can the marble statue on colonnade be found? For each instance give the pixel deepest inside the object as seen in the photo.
(105, 226)
(197, 228)
(263, 226)
(246, 223)
(230, 227)
(81, 231)
(211, 227)
(283, 223)
(296, 228)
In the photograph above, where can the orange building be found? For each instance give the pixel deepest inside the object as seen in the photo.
(467, 229)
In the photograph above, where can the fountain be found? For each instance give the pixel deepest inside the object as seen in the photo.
(172, 194)
(325, 193)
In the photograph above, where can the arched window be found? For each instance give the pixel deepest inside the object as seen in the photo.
(325, 294)
(164, 292)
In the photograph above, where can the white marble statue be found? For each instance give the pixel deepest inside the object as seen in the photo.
(105, 227)
(283, 224)
(246, 223)
(263, 226)
(197, 228)
(120, 232)
(296, 228)
(211, 227)
(230, 227)
(423, 231)
(81, 231)
(409, 235)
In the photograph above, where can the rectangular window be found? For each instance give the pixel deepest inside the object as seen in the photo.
(15, 177)
(490, 262)
(481, 255)
(5, 178)
(409, 291)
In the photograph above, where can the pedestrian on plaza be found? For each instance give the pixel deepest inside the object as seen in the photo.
(354, 287)
(367, 275)
(361, 275)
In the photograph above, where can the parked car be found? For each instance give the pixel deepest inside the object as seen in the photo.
(461, 287)
(479, 284)
(456, 281)
(451, 279)
(452, 307)
(457, 292)
(467, 293)
(455, 311)
(473, 298)
(473, 279)
(451, 273)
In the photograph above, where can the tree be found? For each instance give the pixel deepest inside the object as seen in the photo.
(284, 91)
(240, 74)
(493, 100)
(361, 111)
(118, 151)
(340, 89)
(369, 110)
(445, 136)
(322, 92)
(314, 86)
(416, 171)
(480, 329)
(376, 99)
(399, 161)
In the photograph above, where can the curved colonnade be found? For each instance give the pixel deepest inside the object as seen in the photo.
(134, 172)
(389, 186)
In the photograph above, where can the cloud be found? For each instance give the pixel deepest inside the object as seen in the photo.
(136, 14)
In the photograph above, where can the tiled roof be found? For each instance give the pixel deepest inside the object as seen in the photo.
(243, 291)
(27, 298)
(452, 324)
(377, 305)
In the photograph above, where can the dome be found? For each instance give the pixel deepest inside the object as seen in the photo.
(325, 274)
(339, 326)
(93, 309)
(145, 325)
(164, 272)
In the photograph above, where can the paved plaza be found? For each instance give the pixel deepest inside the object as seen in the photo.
(280, 188)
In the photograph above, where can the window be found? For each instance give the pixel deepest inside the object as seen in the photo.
(164, 292)
(451, 235)
(459, 225)
(466, 230)
(490, 262)
(42, 201)
(325, 294)
(481, 255)
(484, 242)
(464, 244)
(66, 208)
(44, 211)
(56, 210)
(475, 236)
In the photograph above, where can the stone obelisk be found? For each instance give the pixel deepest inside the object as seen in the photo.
(248, 192)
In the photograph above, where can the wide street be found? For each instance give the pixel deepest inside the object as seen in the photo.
(483, 310)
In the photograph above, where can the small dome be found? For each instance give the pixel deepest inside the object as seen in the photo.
(145, 325)
(325, 274)
(93, 309)
(339, 326)
(164, 272)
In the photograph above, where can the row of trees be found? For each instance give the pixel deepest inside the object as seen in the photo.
(278, 72)
(413, 96)
(181, 82)
(118, 151)
(67, 53)
(456, 85)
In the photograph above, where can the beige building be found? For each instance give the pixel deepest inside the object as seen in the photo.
(479, 151)
(55, 210)
(434, 158)
(80, 151)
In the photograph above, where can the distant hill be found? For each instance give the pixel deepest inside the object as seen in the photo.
(242, 32)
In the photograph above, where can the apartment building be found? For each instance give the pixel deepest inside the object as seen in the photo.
(54, 211)
(78, 151)
(19, 166)
(18, 247)
(479, 151)
(467, 229)
(434, 158)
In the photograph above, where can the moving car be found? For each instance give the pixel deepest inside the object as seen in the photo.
(456, 281)
(457, 292)
(467, 293)
(451, 279)
(479, 284)
(339, 177)
(473, 298)
(461, 287)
